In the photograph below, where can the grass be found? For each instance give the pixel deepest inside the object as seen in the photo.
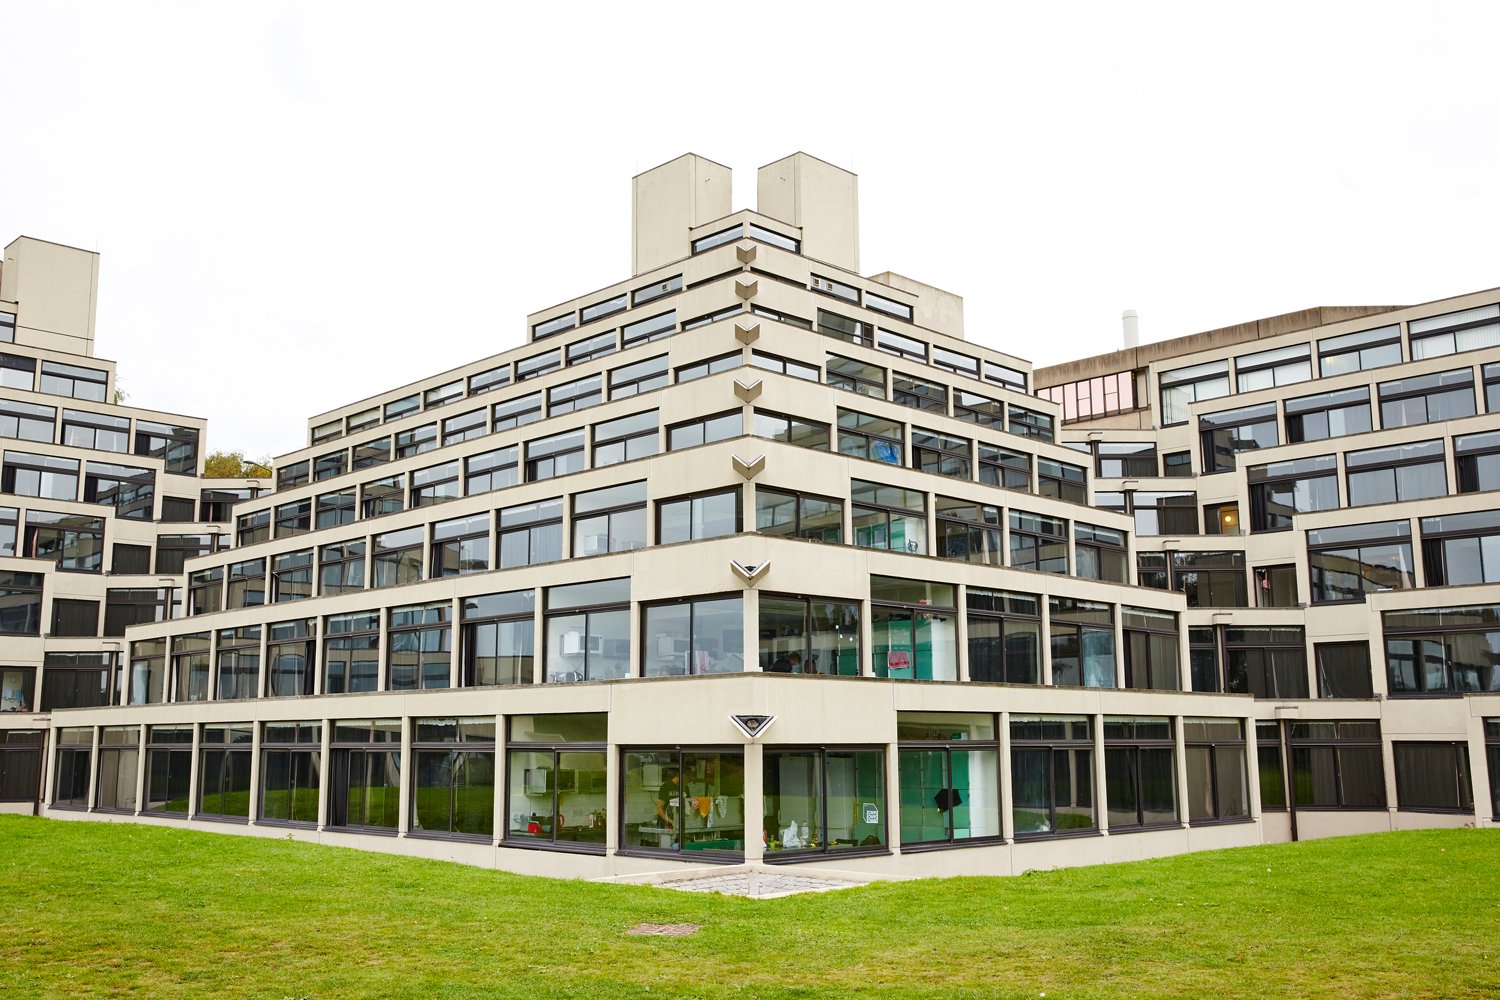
(124, 910)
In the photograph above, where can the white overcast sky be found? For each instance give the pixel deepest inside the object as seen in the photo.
(299, 205)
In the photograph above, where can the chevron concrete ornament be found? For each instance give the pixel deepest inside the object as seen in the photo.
(747, 334)
(750, 574)
(745, 252)
(748, 393)
(752, 725)
(748, 469)
(746, 289)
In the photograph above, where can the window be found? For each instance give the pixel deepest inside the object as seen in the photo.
(1151, 660)
(247, 584)
(606, 307)
(968, 531)
(1051, 774)
(341, 568)
(188, 680)
(719, 427)
(20, 603)
(215, 504)
(692, 519)
(17, 372)
(17, 690)
(398, 408)
(351, 652)
(855, 376)
(1442, 651)
(1061, 480)
(442, 395)
(821, 801)
(397, 558)
(1177, 465)
(498, 638)
(1275, 586)
(1272, 772)
(1100, 396)
(1038, 542)
(1140, 773)
(372, 453)
(598, 346)
(785, 366)
(625, 439)
(873, 438)
(1478, 461)
(888, 517)
(660, 289)
(292, 575)
(518, 412)
(1328, 415)
(119, 763)
(774, 239)
(1226, 434)
(7, 327)
(76, 680)
(460, 546)
(435, 485)
(550, 327)
(294, 518)
(1343, 670)
(416, 441)
(290, 772)
(701, 635)
(913, 628)
(1267, 662)
(364, 775)
(176, 446)
(1492, 753)
(646, 330)
(491, 470)
(792, 430)
(1347, 562)
(798, 515)
(1435, 336)
(178, 510)
(557, 455)
(75, 542)
(577, 395)
(558, 766)
(296, 474)
(28, 421)
(941, 454)
(1459, 549)
(253, 527)
(289, 655)
(809, 635)
(327, 432)
(662, 786)
(977, 409)
(1355, 352)
(1336, 764)
(1185, 386)
(1282, 489)
(1099, 553)
(127, 606)
(205, 591)
(949, 767)
(383, 496)
(169, 769)
(466, 427)
(75, 750)
(1125, 459)
(919, 393)
(612, 519)
(83, 429)
(21, 765)
(74, 618)
(538, 365)
(588, 631)
(1005, 637)
(531, 533)
(1218, 791)
(1433, 777)
(640, 376)
(8, 524)
(1028, 423)
(703, 369)
(1279, 366)
(71, 380)
(842, 327)
(239, 664)
(1005, 468)
(489, 380)
(1083, 643)
(39, 476)
(420, 647)
(335, 509)
(1401, 472)
(900, 345)
(1426, 399)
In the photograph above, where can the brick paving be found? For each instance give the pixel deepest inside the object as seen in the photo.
(758, 885)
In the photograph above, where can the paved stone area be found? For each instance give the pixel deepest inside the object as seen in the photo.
(664, 930)
(759, 885)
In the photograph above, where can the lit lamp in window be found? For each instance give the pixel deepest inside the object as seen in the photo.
(1229, 520)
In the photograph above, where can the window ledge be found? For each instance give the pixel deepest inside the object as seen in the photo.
(461, 838)
(709, 857)
(950, 845)
(1027, 838)
(1230, 821)
(799, 857)
(560, 847)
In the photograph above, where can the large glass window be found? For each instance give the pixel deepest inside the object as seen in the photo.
(968, 531)
(1328, 415)
(1270, 761)
(1099, 553)
(638, 377)
(119, 763)
(1279, 366)
(919, 393)
(1459, 549)
(612, 519)
(626, 439)
(1051, 775)
(1477, 457)
(941, 454)
(1349, 561)
(704, 635)
(949, 767)
(491, 470)
(289, 655)
(588, 631)
(364, 775)
(28, 421)
(1226, 434)
(914, 630)
(821, 801)
(95, 431)
(188, 680)
(1267, 662)
(531, 533)
(1210, 579)
(498, 638)
(239, 662)
(1282, 489)
(70, 783)
(17, 690)
(1336, 764)
(1117, 392)
(683, 799)
(888, 517)
(707, 430)
(1218, 790)
(148, 672)
(557, 455)
(1433, 777)
(177, 447)
(855, 376)
(169, 769)
(1151, 644)
(1424, 399)
(1038, 542)
(1062, 480)
(224, 755)
(1443, 651)
(1165, 513)
(76, 680)
(1004, 467)
(1028, 423)
(419, 648)
(791, 429)
(809, 635)
(20, 603)
(1355, 352)
(1452, 333)
(691, 519)
(1185, 386)
(875, 438)
(558, 781)
(1005, 636)
(1400, 472)
(1343, 670)
(1083, 643)
(351, 652)
(435, 485)
(453, 778)
(383, 496)
(396, 558)
(797, 515)
(1140, 773)
(341, 568)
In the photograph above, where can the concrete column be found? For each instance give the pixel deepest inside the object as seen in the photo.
(403, 824)
(325, 775)
(754, 805)
(255, 741)
(142, 763)
(1101, 800)
(1007, 799)
(1182, 781)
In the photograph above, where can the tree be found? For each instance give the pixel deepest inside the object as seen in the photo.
(234, 465)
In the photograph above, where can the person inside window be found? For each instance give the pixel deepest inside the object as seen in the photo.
(669, 800)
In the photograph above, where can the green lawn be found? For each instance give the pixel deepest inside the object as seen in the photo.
(117, 909)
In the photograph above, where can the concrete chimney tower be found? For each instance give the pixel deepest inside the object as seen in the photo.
(669, 200)
(1132, 329)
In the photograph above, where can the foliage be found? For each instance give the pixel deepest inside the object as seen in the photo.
(94, 909)
(234, 465)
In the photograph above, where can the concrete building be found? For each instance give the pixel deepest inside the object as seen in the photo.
(749, 559)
